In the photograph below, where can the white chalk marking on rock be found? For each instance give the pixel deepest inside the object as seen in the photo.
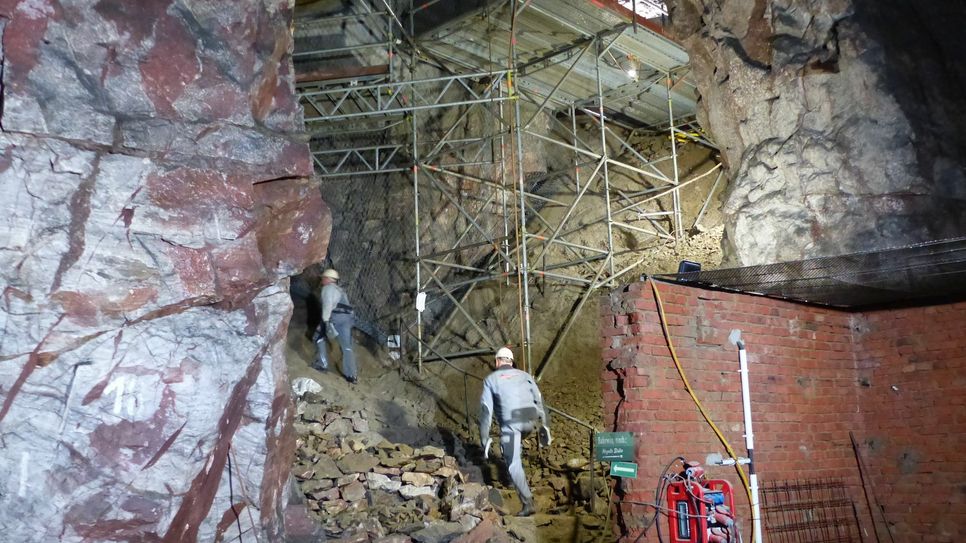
(132, 406)
(117, 386)
(24, 472)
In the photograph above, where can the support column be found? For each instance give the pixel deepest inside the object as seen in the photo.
(522, 265)
(415, 153)
(676, 194)
(604, 171)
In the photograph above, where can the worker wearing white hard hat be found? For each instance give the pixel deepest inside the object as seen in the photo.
(512, 395)
(337, 323)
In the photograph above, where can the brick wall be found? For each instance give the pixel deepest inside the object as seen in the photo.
(914, 437)
(815, 375)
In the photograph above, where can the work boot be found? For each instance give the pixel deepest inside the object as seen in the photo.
(528, 508)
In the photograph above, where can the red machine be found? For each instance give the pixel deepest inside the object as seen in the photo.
(701, 510)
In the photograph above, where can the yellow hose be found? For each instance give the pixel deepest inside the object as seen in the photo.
(697, 402)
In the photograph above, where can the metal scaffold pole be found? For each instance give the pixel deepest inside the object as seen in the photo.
(523, 267)
(503, 191)
(415, 159)
(676, 194)
(479, 219)
(573, 128)
(603, 152)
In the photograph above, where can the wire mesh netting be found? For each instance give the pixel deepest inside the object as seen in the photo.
(926, 272)
(809, 511)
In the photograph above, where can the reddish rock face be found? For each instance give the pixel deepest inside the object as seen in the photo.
(155, 201)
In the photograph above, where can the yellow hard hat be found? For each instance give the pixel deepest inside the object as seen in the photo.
(331, 274)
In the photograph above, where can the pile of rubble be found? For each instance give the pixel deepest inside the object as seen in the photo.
(363, 487)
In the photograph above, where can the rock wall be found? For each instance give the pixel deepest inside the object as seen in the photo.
(835, 119)
(154, 203)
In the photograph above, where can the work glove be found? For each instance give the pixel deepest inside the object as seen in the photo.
(543, 435)
(330, 330)
(317, 334)
(486, 447)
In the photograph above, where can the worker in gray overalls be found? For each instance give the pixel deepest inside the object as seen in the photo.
(337, 323)
(513, 396)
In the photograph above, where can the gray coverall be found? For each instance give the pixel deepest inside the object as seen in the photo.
(337, 313)
(514, 397)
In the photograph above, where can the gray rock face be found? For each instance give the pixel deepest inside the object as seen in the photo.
(325, 468)
(358, 462)
(834, 120)
(439, 532)
(153, 206)
(410, 491)
(382, 482)
(354, 492)
(418, 479)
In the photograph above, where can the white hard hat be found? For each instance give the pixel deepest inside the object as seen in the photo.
(504, 352)
(331, 274)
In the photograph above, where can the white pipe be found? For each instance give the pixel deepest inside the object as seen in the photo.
(749, 433)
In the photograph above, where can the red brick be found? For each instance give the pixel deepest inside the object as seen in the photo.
(806, 370)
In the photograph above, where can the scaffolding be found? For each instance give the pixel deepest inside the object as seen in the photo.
(508, 83)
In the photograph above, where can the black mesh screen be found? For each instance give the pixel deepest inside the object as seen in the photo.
(924, 273)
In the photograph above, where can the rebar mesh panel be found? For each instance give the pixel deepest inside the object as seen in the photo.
(926, 272)
(809, 511)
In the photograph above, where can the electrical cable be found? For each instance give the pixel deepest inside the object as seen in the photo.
(663, 509)
(658, 495)
(697, 402)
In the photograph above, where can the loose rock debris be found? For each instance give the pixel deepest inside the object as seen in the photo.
(362, 487)
(365, 488)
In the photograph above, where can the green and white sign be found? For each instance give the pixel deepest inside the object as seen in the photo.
(624, 469)
(610, 446)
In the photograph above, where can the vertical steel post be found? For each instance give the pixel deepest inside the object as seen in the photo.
(676, 195)
(604, 158)
(523, 266)
(389, 43)
(573, 127)
(419, 283)
(506, 218)
(593, 487)
(466, 406)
